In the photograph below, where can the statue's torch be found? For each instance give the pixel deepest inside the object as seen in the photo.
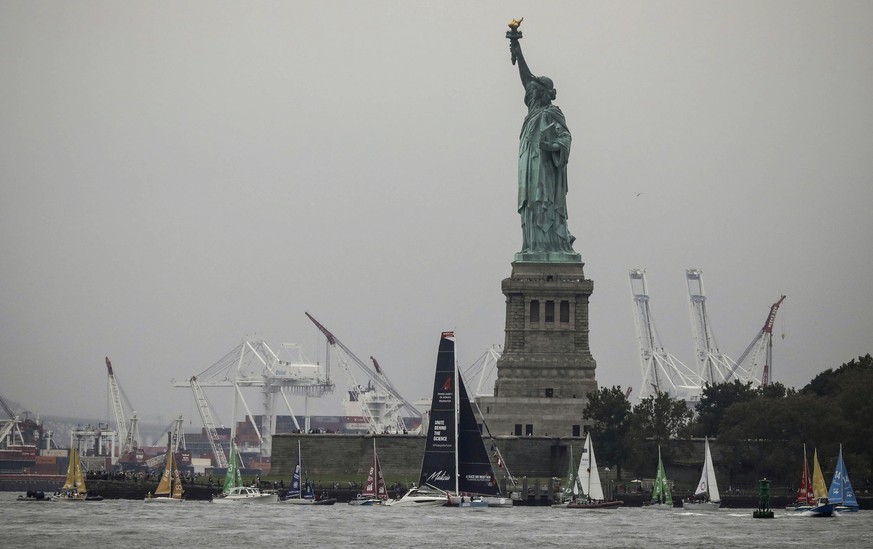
(514, 34)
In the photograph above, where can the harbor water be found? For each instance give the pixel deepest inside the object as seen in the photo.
(136, 524)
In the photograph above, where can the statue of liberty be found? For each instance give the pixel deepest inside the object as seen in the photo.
(543, 152)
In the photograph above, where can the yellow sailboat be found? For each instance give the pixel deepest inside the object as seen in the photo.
(819, 489)
(170, 486)
(822, 507)
(74, 486)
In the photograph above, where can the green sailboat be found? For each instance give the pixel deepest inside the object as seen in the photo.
(233, 490)
(232, 478)
(661, 496)
(572, 490)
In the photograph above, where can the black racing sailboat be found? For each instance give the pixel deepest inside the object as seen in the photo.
(455, 458)
(456, 469)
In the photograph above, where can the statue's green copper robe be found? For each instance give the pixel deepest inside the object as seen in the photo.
(542, 182)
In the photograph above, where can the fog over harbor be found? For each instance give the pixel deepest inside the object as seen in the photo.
(178, 176)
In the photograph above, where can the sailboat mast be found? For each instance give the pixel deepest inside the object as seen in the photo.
(842, 474)
(300, 469)
(588, 453)
(457, 405)
(171, 457)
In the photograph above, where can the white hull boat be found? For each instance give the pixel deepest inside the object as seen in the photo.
(246, 494)
(421, 497)
(701, 506)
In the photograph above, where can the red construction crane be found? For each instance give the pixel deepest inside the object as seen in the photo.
(760, 351)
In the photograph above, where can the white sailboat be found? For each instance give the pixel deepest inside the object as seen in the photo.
(589, 482)
(706, 497)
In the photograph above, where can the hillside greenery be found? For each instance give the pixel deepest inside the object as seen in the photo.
(760, 432)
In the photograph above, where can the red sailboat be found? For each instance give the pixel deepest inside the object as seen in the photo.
(375, 492)
(805, 499)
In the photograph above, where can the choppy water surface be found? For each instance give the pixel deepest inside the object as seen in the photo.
(135, 524)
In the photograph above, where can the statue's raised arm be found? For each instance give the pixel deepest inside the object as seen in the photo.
(518, 56)
(514, 36)
(543, 153)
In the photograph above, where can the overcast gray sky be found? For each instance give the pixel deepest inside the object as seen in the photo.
(176, 176)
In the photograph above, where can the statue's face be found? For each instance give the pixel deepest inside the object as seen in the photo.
(536, 95)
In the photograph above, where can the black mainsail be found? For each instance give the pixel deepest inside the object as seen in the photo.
(455, 458)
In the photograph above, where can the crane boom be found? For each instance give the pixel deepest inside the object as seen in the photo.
(386, 405)
(661, 371)
(205, 410)
(712, 365)
(6, 407)
(759, 354)
(115, 397)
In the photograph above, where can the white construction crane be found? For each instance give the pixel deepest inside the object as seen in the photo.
(713, 366)
(381, 404)
(128, 433)
(10, 432)
(483, 370)
(254, 364)
(177, 441)
(661, 371)
(205, 410)
(757, 359)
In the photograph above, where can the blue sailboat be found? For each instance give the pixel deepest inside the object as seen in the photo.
(841, 492)
(303, 494)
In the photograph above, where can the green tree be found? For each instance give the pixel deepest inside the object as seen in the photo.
(764, 436)
(656, 421)
(828, 383)
(714, 402)
(610, 413)
(853, 407)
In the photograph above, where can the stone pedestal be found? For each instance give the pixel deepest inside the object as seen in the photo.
(546, 369)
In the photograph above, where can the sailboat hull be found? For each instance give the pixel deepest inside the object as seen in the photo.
(658, 507)
(701, 505)
(490, 501)
(365, 502)
(595, 505)
(162, 499)
(68, 499)
(824, 510)
(308, 501)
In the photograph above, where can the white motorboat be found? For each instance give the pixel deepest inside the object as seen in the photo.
(421, 495)
(246, 494)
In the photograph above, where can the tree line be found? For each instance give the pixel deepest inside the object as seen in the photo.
(760, 432)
